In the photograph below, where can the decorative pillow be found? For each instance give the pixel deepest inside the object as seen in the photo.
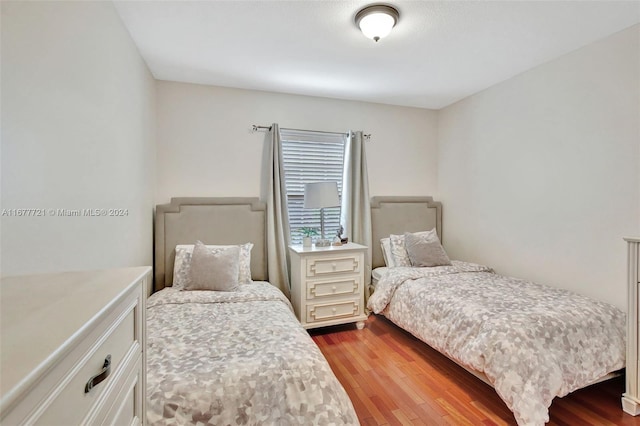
(385, 244)
(398, 250)
(182, 263)
(213, 269)
(423, 252)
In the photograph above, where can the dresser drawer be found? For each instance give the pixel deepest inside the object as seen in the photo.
(57, 330)
(319, 289)
(322, 266)
(70, 404)
(637, 390)
(329, 311)
(127, 405)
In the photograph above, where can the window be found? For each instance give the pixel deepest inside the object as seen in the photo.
(311, 157)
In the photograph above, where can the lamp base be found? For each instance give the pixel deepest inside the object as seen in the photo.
(323, 242)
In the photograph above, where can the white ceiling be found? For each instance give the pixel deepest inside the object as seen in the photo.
(439, 53)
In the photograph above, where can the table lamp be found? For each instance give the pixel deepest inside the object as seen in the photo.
(319, 195)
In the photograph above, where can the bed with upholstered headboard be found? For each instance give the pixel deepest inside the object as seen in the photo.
(221, 220)
(531, 342)
(397, 215)
(235, 356)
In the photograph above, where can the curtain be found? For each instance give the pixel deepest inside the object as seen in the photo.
(277, 217)
(356, 211)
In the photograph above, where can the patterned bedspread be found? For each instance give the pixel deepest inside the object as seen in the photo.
(236, 358)
(533, 342)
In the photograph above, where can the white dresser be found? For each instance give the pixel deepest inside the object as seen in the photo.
(72, 348)
(631, 398)
(327, 284)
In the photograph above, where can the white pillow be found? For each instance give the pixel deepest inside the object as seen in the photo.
(399, 252)
(182, 263)
(385, 244)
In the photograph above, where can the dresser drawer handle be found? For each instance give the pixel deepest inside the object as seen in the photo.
(95, 380)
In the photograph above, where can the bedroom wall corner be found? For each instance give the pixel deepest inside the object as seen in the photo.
(78, 137)
(540, 175)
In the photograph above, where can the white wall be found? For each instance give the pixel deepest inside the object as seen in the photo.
(78, 123)
(540, 175)
(206, 148)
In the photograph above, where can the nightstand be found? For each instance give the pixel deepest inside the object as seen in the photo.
(327, 284)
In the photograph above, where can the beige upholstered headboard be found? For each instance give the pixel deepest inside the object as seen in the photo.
(397, 215)
(212, 221)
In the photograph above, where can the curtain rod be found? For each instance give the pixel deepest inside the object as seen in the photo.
(255, 128)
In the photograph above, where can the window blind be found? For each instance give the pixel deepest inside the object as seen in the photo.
(310, 156)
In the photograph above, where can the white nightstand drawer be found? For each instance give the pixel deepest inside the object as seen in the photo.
(345, 309)
(320, 266)
(71, 404)
(319, 289)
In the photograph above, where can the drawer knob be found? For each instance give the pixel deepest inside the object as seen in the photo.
(333, 265)
(334, 310)
(334, 288)
(98, 378)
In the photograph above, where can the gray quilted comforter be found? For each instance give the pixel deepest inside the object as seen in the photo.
(533, 342)
(236, 358)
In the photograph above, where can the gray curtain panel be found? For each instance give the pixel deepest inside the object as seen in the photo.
(356, 209)
(278, 234)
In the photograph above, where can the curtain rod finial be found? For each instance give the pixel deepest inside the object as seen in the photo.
(255, 128)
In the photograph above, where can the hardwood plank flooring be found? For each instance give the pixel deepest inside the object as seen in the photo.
(395, 379)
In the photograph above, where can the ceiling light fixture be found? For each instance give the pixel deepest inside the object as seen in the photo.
(376, 21)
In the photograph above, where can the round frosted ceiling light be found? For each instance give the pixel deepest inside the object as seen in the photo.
(376, 21)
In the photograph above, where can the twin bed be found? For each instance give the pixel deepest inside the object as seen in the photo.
(242, 357)
(530, 342)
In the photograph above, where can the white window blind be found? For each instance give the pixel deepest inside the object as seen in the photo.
(310, 156)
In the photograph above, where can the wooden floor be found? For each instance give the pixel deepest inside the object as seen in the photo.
(394, 379)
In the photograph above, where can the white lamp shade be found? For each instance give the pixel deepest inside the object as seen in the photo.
(318, 195)
(377, 25)
(376, 21)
